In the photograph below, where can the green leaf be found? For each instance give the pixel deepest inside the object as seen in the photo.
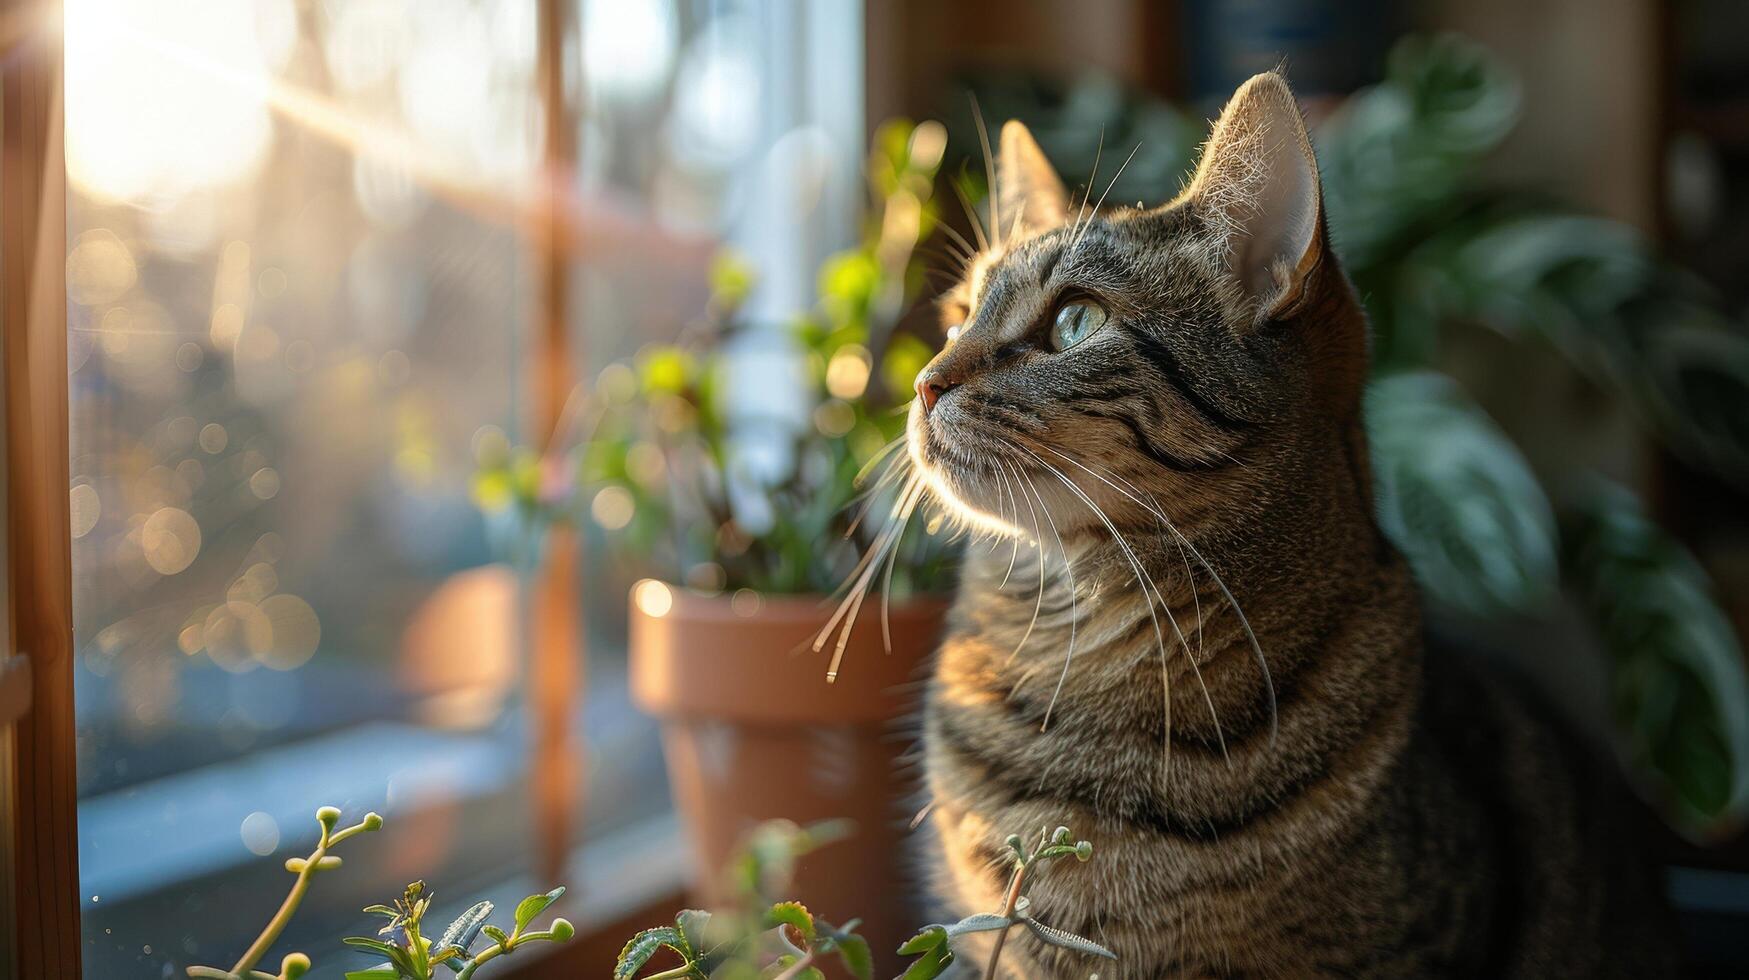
(1679, 688)
(1394, 154)
(374, 945)
(693, 924)
(933, 963)
(1457, 499)
(644, 945)
(787, 961)
(534, 905)
(979, 922)
(461, 933)
(1066, 940)
(854, 953)
(932, 937)
(792, 914)
(496, 934)
(375, 973)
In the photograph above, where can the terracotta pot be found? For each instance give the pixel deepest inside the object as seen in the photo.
(752, 731)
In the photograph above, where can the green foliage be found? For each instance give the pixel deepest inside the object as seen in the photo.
(411, 955)
(695, 488)
(1678, 685)
(1434, 250)
(1457, 497)
(760, 937)
(934, 945)
(757, 935)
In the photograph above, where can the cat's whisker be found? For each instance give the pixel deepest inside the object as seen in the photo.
(896, 467)
(1142, 579)
(1074, 592)
(862, 576)
(1189, 574)
(1038, 542)
(1087, 195)
(889, 541)
(1184, 542)
(971, 216)
(1147, 583)
(1256, 647)
(995, 196)
(1121, 167)
(960, 242)
(887, 581)
(1014, 551)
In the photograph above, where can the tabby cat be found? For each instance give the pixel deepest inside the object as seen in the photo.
(1198, 651)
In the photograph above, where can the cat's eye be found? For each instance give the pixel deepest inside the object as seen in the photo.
(1075, 322)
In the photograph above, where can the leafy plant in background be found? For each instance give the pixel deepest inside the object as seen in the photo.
(410, 956)
(1438, 254)
(732, 458)
(761, 937)
(413, 956)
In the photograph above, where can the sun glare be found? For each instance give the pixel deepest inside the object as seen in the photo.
(169, 101)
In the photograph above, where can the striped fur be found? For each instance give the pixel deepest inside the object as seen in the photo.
(1324, 801)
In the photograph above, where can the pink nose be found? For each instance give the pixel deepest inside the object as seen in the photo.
(931, 385)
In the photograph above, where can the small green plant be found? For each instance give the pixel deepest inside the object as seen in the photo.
(410, 956)
(758, 937)
(414, 956)
(933, 946)
(294, 964)
(755, 935)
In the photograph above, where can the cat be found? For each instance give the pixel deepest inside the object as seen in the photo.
(1197, 650)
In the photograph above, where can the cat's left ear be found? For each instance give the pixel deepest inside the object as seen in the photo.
(1031, 198)
(1257, 189)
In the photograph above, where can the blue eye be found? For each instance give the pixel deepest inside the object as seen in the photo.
(1075, 322)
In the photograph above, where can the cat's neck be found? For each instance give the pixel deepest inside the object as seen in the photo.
(1235, 617)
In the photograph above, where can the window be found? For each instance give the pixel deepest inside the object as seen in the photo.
(301, 301)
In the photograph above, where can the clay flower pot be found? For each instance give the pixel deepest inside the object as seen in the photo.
(752, 731)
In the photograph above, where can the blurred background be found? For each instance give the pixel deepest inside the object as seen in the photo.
(347, 281)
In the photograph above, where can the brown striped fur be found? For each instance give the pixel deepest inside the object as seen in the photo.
(1330, 802)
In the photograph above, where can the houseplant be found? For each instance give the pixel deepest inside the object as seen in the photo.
(745, 519)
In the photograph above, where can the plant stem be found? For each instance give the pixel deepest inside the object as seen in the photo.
(795, 969)
(497, 950)
(1008, 906)
(683, 970)
(280, 919)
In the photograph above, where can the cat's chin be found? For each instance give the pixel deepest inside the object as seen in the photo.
(964, 498)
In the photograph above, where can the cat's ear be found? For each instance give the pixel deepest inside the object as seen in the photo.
(1031, 198)
(1257, 189)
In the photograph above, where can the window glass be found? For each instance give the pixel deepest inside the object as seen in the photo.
(300, 306)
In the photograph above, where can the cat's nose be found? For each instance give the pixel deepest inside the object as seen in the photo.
(932, 383)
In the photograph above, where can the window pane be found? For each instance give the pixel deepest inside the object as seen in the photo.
(300, 308)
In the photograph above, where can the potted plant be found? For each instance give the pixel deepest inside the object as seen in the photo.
(749, 471)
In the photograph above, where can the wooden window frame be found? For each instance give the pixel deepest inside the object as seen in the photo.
(41, 818)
